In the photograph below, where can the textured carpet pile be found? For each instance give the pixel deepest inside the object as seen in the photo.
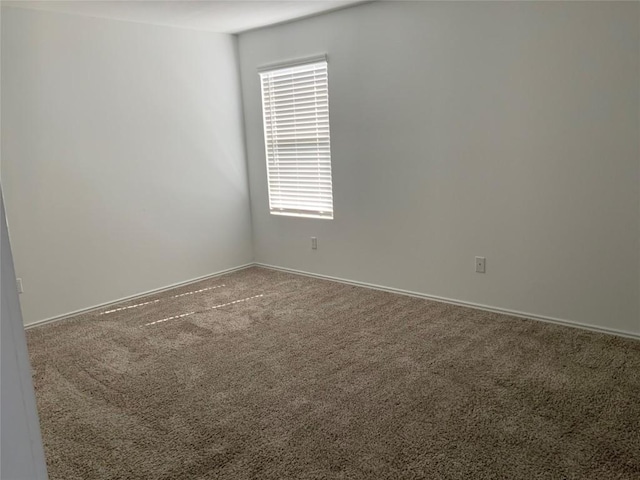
(271, 375)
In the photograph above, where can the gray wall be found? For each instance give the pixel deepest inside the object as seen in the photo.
(508, 130)
(123, 158)
(22, 452)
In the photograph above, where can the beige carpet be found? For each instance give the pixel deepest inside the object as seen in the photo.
(278, 376)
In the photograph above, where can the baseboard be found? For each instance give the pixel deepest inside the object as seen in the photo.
(452, 301)
(487, 308)
(133, 297)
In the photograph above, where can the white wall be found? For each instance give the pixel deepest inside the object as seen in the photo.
(508, 130)
(22, 453)
(123, 157)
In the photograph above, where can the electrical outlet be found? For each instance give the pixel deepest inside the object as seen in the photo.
(314, 243)
(19, 284)
(480, 264)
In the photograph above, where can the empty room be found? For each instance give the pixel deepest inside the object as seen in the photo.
(320, 240)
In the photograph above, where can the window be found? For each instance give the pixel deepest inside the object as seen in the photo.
(295, 106)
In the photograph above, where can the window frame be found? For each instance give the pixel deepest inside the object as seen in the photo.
(323, 180)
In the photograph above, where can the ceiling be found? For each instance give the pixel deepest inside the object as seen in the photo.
(231, 16)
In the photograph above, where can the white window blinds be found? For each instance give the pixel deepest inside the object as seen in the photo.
(295, 105)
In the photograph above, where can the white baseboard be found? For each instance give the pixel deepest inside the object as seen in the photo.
(133, 297)
(487, 308)
(452, 301)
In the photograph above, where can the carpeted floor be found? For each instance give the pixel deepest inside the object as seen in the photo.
(268, 375)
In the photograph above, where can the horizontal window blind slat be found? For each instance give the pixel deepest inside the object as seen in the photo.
(292, 142)
(316, 137)
(324, 191)
(300, 184)
(291, 153)
(291, 189)
(299, 107)
(294, 181)
(307, 168)
(313, 192)
(310, 68)
(302, 122)
(291, 163)
(316, 142)
(288, 169)
(317, 77)
(310, 103)
(302, 152)
(298, 83)
(302, 93)
(319, 99)
(323, 207)
(284, 151)
(294, 76)
(299, 113)
(318, 207)
(312, 208)
(287, 77)
(288, 188)
(308, 199)
(277, 74)
(304, 214)
(310, 90)
(281, 167)
(308, 122)
(308, 130)
(276, 165)
(299, 154)
(300, 176)
(295, 203)
(320, 125)
(302, 167)
(292, 145)
(281, 151)
(320, 96)
(326, 207)
(298, 136)
(294, 199)
(301, 130)
(312, 197)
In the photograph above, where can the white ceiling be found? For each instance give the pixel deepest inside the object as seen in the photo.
(230, 16)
